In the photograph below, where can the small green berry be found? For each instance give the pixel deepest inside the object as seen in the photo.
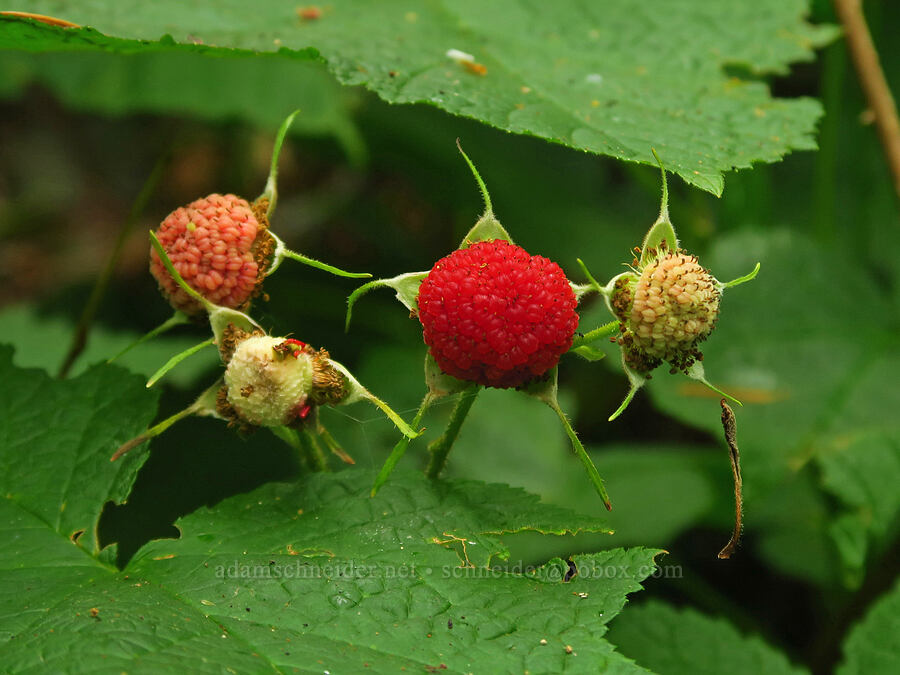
(669, 309)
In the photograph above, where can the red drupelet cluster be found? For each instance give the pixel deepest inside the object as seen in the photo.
(211, 244)
(496, 315)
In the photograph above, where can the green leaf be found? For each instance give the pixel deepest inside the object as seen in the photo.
(659, 492)
(674, 641)
(601, 78)
(863, 471)
(178, 358)
(874, 643)
(190, 80)
(313, 572)
(589, 353)
(55, 443)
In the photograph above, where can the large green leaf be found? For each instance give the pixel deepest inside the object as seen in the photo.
(675, 641)
(610, 78)
(190, 82)
(874, 643)
(55, 443)
(312, 575)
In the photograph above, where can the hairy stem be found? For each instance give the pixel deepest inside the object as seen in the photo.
(871, 78)
(312, 451)
(606, 330)
(440, 448)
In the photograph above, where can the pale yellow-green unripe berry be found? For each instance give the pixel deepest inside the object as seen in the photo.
(269, 380)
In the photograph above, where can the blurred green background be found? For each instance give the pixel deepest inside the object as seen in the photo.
(811, 345)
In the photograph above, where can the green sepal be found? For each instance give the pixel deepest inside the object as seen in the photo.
(203, 406)
(306, 446)
(406, 286)
(635, 382)
(605, 331)
(175, 360)
(697, 372)
(588, 353)
(545, 390)
(610, 288)
(288, 435)
(438, 382)
(282, 252)
(271, 191)
(488, 227)
(592, 286)
(662, 230)
(439, 385)
(357, 392)
(740, 280)
(333, 446)
(219, 317)
(400, 448)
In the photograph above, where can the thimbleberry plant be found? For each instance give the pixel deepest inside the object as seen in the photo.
(269, 382)
(494, 315)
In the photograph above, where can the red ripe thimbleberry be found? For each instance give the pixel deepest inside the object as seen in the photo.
(220, 246)
(496, 315)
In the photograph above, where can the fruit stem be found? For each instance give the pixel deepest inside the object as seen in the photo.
(177, 319)
(175, 360)
(603, 331)
(488, 208)
(440, 448)
(312, 451)
(400, 449)
(282, 252)
(271, 191)
(592, 472)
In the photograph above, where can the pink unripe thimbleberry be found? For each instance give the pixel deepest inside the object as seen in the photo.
(221, 247)
(667, 311)
(496, 315)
